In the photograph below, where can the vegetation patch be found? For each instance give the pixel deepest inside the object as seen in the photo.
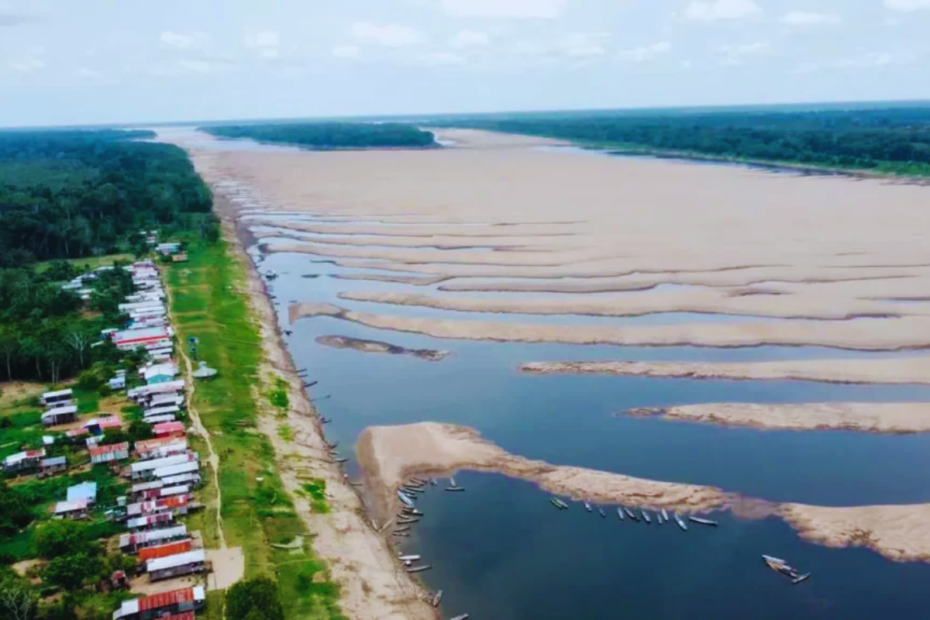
(278, 397)
(316, 490)
(331, 136)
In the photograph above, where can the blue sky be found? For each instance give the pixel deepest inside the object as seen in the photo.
(100, 61)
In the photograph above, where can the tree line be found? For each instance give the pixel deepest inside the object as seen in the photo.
(325, 136)
(892, 140)
(73, 194)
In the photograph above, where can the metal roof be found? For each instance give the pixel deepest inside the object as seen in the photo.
(109, 449)
(164, 462)
(85, 490)
(152, 536)
(79, 504)
(174, 561)
(175, 470)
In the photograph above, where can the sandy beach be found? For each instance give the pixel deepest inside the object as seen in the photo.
(392, 454)
(374, 346)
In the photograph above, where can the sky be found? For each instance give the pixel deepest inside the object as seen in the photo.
(111, 61)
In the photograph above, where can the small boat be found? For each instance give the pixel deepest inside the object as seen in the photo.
(419, 481)
(437, 598)
(587, 507)
(560, 503)
(404, 534)
(601, 512)
(325, 420)
(403, 529)
(680, 523)
(432, 481)
(407, 520)
(415, 512)
(333, 446)
(409, 558)
(620, 512)
(462, 617)
(454, 489)
(703, 521)
(631, 514)
(664, 514)
(555, 503)
(342, 460)
(659, 518)
(452, 482)
(414, 490)
(781, 566)
(645, 516)
(419, 569)
(311, 384)
(414, 482)
(270, 274)
(406, 501)
(301, 371)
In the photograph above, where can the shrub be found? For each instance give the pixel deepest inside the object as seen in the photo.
(70, 572)
(56, 539)
(259, 594)
(89, 380)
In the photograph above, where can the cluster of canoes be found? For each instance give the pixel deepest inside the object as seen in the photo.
(661, 516)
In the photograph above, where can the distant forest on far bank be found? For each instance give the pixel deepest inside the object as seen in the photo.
(893, 140)
(331, 136)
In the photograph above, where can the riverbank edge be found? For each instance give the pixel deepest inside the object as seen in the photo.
(407, 600)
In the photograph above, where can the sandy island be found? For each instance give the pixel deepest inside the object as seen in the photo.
(892, 418)
(391, 454)
(903, 370)
(903, 333)
(374, 346)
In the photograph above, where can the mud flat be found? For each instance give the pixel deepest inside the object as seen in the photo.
(391, 454)
(903, 333)
(892, 418)
(702, 302)
(908, 370)
(374, 346)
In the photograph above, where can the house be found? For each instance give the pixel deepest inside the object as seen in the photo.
(113, 452)
(60, 414)
(130, 339)
(159, 448)
(161, 410)
(165, 400)
(165, 491)
(171, 247)
(96, 426)
(85, 490)
(159, 373)
(144, 393)
(130, 543)
(144, 468)
(169, 429)
(76, 509)
(171, 471)
(118, 382)
(149, 521)
(29, 460)
(53, 465)
(159, 419)
(61, 397)
(175, 565)
(176, 505)
(78, 435)
(163, 551)
(184, 601)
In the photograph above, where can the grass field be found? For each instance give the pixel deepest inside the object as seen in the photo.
(256, 510)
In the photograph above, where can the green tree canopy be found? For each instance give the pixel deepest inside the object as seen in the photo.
(259, 594)
(60, 538)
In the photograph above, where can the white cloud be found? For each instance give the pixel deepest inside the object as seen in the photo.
(191, 41)
(513, 9)
(714, 10)
(871, 60)
(388, 35)
(346, 51)
(264, 43)
(88, 74)
(584, 44)
(907, 5)
(441, 59)
(27, 65)
(647, 52)
(734, 54)
(804, 19)
(466, 39)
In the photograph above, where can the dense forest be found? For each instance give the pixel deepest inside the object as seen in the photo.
(326, 136)
(895, 140)
(74, 195)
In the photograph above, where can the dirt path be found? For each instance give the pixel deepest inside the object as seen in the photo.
(199, 428)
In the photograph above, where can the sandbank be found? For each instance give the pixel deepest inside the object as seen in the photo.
(903, 333)
(887, 370)
(391, 454)
(892, 418)
(374, 346)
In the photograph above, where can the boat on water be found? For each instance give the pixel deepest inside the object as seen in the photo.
(703, 521)
(620, 512)
(659, 519)
(631, 514)
(560, 503)
(680, 523)
(664, 515)
(437, 598)
(601, 512)
(555, 503)
(406, 501)
(452, 482)
(454, 489)
(646, 516)
(781, 566)
(587, 507)
(419, 569)
(409, 558)
(462, 617)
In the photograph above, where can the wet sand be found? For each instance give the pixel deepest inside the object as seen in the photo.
(374, 346)
(892, 418)
(392, 454)
(903, 333)
(913, 370)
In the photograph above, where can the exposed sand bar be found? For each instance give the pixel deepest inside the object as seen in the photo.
(391, 454)
(435, 230)
(706, 301)
(891, 371)
(374, 346)
(892, 418)
(903, 333)
(497, 244)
